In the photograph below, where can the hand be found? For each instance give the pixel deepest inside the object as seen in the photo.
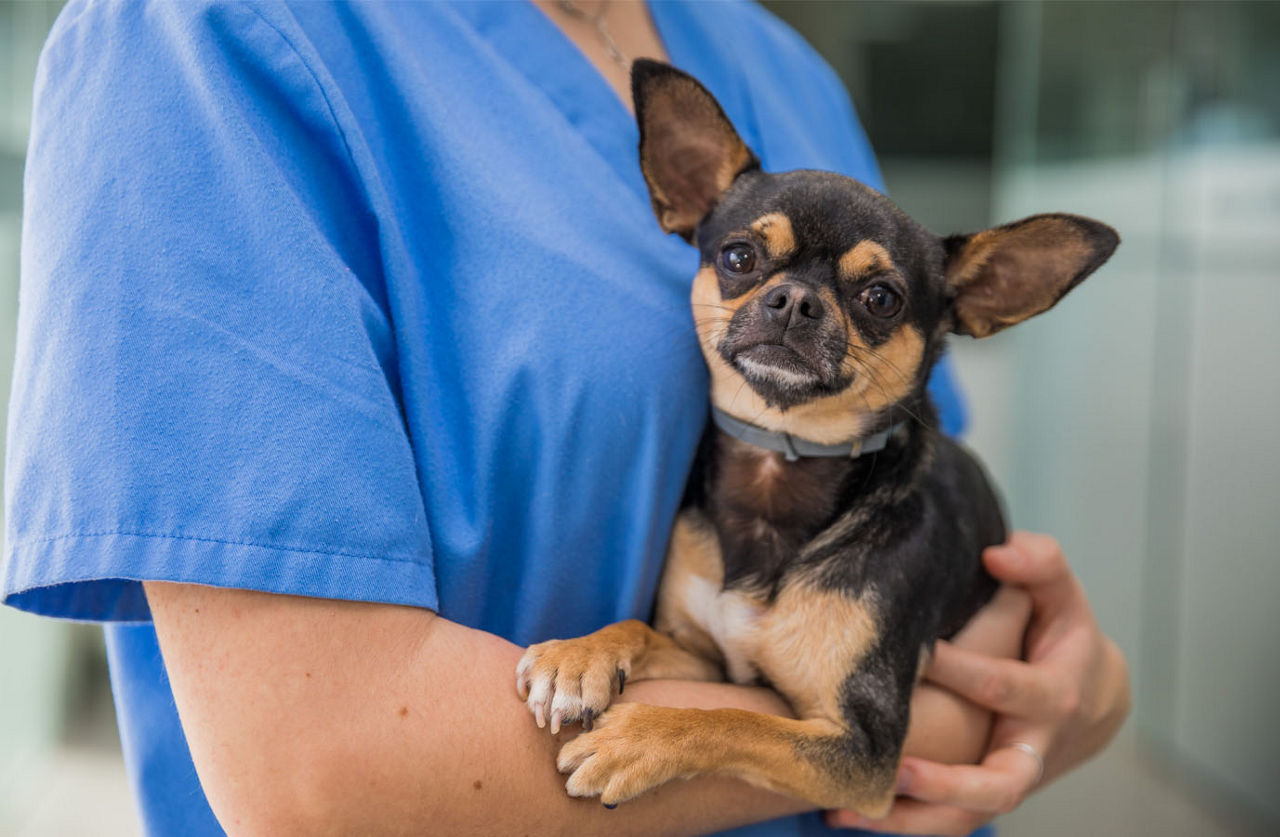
(1066, 701)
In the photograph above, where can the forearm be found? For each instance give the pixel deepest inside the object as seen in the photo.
(309, 715)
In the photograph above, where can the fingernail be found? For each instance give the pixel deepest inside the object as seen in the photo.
(622, 680)
(610, 807)
(539, 716)
(904, 779)
(587, 718)
(556, 717)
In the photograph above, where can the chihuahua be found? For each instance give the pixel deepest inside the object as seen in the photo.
(830, 534)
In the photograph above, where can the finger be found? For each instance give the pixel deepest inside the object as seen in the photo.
(1037, 563)
(1029, 559)
(912, 817)
(997, 629)
(997, 786)
(1009, 687)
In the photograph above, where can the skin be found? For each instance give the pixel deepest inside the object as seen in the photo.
(628, 24)
(320, 716)
(317, 716)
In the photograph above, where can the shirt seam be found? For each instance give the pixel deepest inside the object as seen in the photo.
(359, 174)
(203, 539)
(315, 79)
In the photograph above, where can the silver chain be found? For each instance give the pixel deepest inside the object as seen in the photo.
(572, 9)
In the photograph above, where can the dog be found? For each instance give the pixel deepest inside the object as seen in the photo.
(829, 533)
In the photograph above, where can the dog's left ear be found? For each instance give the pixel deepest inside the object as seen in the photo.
(689, 151)
(1002, 276)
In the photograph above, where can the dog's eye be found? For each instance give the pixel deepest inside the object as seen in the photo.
(881, 300)
(738, 258)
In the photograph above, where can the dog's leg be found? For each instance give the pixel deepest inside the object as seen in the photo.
(567, 680)
(636, 747)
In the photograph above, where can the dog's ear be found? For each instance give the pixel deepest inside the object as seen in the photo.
(1002, 276)
(689, 151)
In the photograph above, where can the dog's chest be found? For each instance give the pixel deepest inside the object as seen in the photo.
(804, 642)
(732, 622)
(695, 610)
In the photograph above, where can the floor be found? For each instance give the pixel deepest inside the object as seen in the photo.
(1126, 793)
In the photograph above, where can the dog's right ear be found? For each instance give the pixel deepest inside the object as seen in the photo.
(689, 151)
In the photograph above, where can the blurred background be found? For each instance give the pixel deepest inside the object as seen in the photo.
(1135, 423)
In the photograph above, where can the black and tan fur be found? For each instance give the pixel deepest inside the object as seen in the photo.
(827, 578)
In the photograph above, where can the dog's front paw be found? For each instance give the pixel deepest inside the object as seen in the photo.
(626, 754)
(570, 680)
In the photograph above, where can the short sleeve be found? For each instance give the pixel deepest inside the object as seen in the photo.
(205, 380)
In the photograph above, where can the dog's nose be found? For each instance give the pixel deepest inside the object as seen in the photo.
(792, 305)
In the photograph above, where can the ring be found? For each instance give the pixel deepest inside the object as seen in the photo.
(1031, 751)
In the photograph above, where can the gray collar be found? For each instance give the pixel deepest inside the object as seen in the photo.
(793, 446)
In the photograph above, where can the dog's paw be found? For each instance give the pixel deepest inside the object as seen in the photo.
(622, 757)
(570, 680)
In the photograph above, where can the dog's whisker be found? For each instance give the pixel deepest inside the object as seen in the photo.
(891, 403)
(902, 376)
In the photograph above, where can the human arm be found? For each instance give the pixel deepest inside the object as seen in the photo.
(951, 729)
(316, 715)
(1066, 700)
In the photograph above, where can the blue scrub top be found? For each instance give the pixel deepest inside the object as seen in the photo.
(363, 302)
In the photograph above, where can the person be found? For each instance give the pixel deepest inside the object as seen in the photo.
(351, 360)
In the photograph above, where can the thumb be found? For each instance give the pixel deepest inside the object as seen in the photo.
(1037, 564)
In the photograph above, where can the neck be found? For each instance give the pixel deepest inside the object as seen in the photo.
(766, 508)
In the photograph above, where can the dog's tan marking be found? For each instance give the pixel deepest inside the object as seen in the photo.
(637, 747)
(883, 374)
(779, 237)
(832, 419)
(809, 643)
(864, 258)
(711, 312)
(806, 643)
(693, 562)
(694, 608)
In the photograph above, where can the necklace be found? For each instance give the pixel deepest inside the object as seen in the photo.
(572, 9)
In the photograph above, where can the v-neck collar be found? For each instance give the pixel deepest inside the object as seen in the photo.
(530, 42)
